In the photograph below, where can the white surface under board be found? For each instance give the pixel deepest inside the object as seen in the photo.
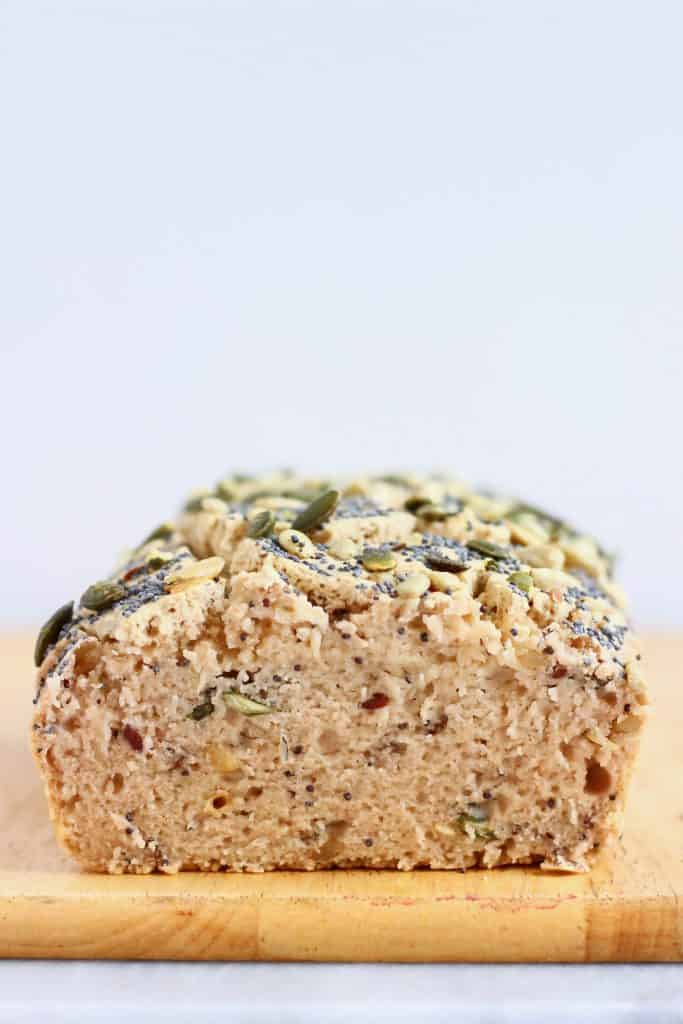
(164, 993)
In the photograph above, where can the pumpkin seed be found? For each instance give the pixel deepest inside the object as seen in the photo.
(245, 705)
(416, 502)
(394, 479)
(162, 532)
(543, 556)
(466, 822)
(201, 711)
(225, 491)
(299, 495)
(297, 543)
(443, 561)
(432, 513)
(101, 595)
(317, 512)
(378, 559)
(261, 525)
(473, 819)
(488, 549)
(49, 633)
(157, 559)
(414, 585)
(521, 580)
(194, 504)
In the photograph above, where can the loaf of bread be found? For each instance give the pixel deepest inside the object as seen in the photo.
(397, 673)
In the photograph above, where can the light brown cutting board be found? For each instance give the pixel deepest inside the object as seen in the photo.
(630, 907)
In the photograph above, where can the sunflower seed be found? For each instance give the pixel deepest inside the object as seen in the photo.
(551, 579)
(49, 633)
(442, 581)
(343, 548)
(414, 585)
(102, 595)
(193, 574)
(297, 543)
(215, 505)
(245, 705)
(204, 569)
(317, 512)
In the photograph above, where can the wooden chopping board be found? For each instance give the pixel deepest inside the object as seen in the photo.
(629, 908)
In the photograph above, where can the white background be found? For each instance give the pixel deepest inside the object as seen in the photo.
(338, 235)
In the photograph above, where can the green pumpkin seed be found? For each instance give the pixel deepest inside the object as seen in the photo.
(294, 495)
(432, 513)
(443, 562)
(394, 479)
(194, 504)
(480, 831)
(317, 512)
(261, 525)
(49, 633)
(162, 532)
(102, 595)
(415, 503)
(488, 549)
(378, 560)
(225, 491)
(245, 705)
(201, 711)
(474, 818)
(158, 559)
(521, 580)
